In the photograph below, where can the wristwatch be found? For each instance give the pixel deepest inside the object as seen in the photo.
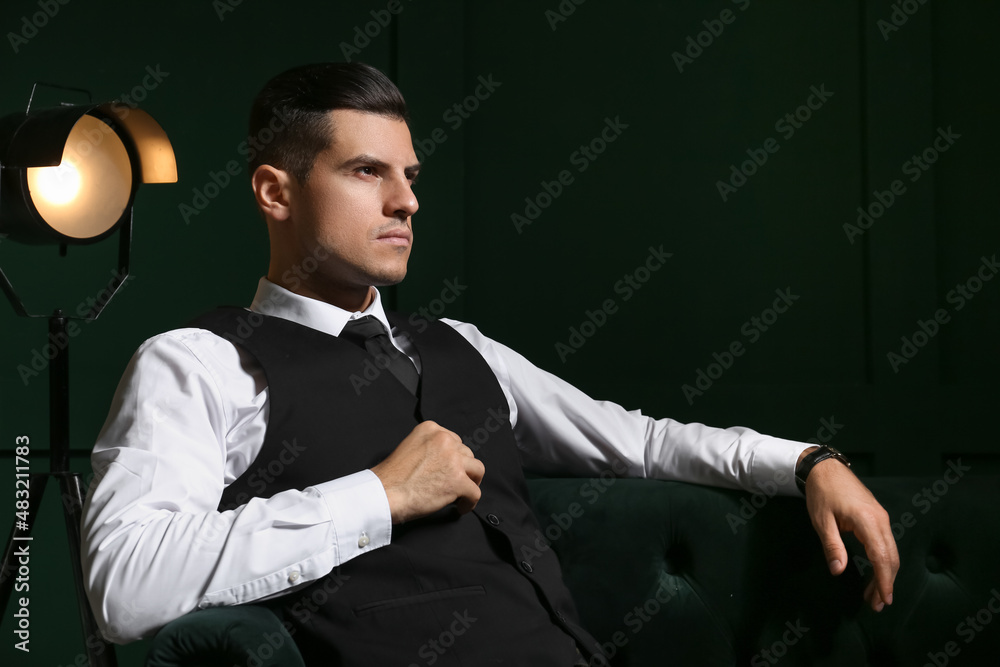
(822, 453)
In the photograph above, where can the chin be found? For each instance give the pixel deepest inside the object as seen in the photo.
(387, 280)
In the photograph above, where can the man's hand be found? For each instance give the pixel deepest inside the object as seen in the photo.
(838, 501)
(430, 469)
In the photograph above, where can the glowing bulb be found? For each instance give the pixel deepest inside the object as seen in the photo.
(87, 194)
(58, 185)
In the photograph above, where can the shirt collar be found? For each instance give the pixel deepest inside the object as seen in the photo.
(274, 300)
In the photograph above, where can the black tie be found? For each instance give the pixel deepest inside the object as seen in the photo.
(368, 333)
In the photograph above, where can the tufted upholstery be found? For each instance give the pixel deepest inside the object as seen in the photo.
(673, 570)
(667, 573)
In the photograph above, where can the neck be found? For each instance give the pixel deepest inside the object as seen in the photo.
(351, 299)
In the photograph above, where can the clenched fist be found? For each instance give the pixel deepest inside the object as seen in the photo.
(430, 469)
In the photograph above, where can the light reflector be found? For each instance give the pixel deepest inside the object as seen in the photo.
(87, 193)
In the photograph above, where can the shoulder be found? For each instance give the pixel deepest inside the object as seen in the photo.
(189, 351)
(191, 342)
(473, 335)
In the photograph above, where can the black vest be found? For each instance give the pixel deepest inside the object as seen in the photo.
(449, 589)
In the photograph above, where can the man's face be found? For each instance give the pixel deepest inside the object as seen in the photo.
(354, 212)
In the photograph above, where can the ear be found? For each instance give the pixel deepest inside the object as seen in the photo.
(272, 190)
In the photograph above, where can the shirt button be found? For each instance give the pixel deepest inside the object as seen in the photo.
(526, 566)
(293, 577)
(493, 518)
(363, 541)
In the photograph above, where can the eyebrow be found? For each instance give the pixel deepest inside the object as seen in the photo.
(370, 160)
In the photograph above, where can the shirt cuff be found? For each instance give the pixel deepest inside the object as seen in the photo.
(359, 513)
(773, 470)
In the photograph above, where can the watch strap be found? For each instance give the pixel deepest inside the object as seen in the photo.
(821, 453)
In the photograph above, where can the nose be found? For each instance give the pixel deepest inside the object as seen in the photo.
(400, 202)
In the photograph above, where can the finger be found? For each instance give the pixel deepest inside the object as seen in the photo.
(873, 597)
(833, 545)
(468, 498)
(881, 550)
(475, 470)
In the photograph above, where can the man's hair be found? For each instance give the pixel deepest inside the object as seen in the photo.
(289, 120)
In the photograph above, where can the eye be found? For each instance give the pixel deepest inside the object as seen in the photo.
(368, 171)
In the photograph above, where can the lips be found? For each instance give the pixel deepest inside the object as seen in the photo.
(397, 236)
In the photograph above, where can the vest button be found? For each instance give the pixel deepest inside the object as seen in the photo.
(526, 566)
(493, 518)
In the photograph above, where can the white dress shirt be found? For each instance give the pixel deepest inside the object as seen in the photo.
(190, 415)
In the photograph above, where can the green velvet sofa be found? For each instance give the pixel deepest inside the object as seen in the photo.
(667, 573)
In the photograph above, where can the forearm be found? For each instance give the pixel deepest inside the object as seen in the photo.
(148, 560)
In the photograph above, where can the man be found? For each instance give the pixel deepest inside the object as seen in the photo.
(260, 455)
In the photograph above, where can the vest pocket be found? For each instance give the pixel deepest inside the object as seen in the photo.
(421, 598)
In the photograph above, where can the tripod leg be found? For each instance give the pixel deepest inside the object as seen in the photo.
(8, 568)
(100, 652)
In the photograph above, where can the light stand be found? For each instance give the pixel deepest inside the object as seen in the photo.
(96, 155)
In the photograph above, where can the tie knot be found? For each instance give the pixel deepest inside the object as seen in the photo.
(363, 328)
(370, 334)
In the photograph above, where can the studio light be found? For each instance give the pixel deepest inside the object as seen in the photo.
(68, 176)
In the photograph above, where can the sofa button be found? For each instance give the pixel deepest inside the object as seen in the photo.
(526, 566)
(933, 564)
(493, 519)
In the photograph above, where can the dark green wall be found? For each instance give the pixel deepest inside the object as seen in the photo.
(556, 83)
